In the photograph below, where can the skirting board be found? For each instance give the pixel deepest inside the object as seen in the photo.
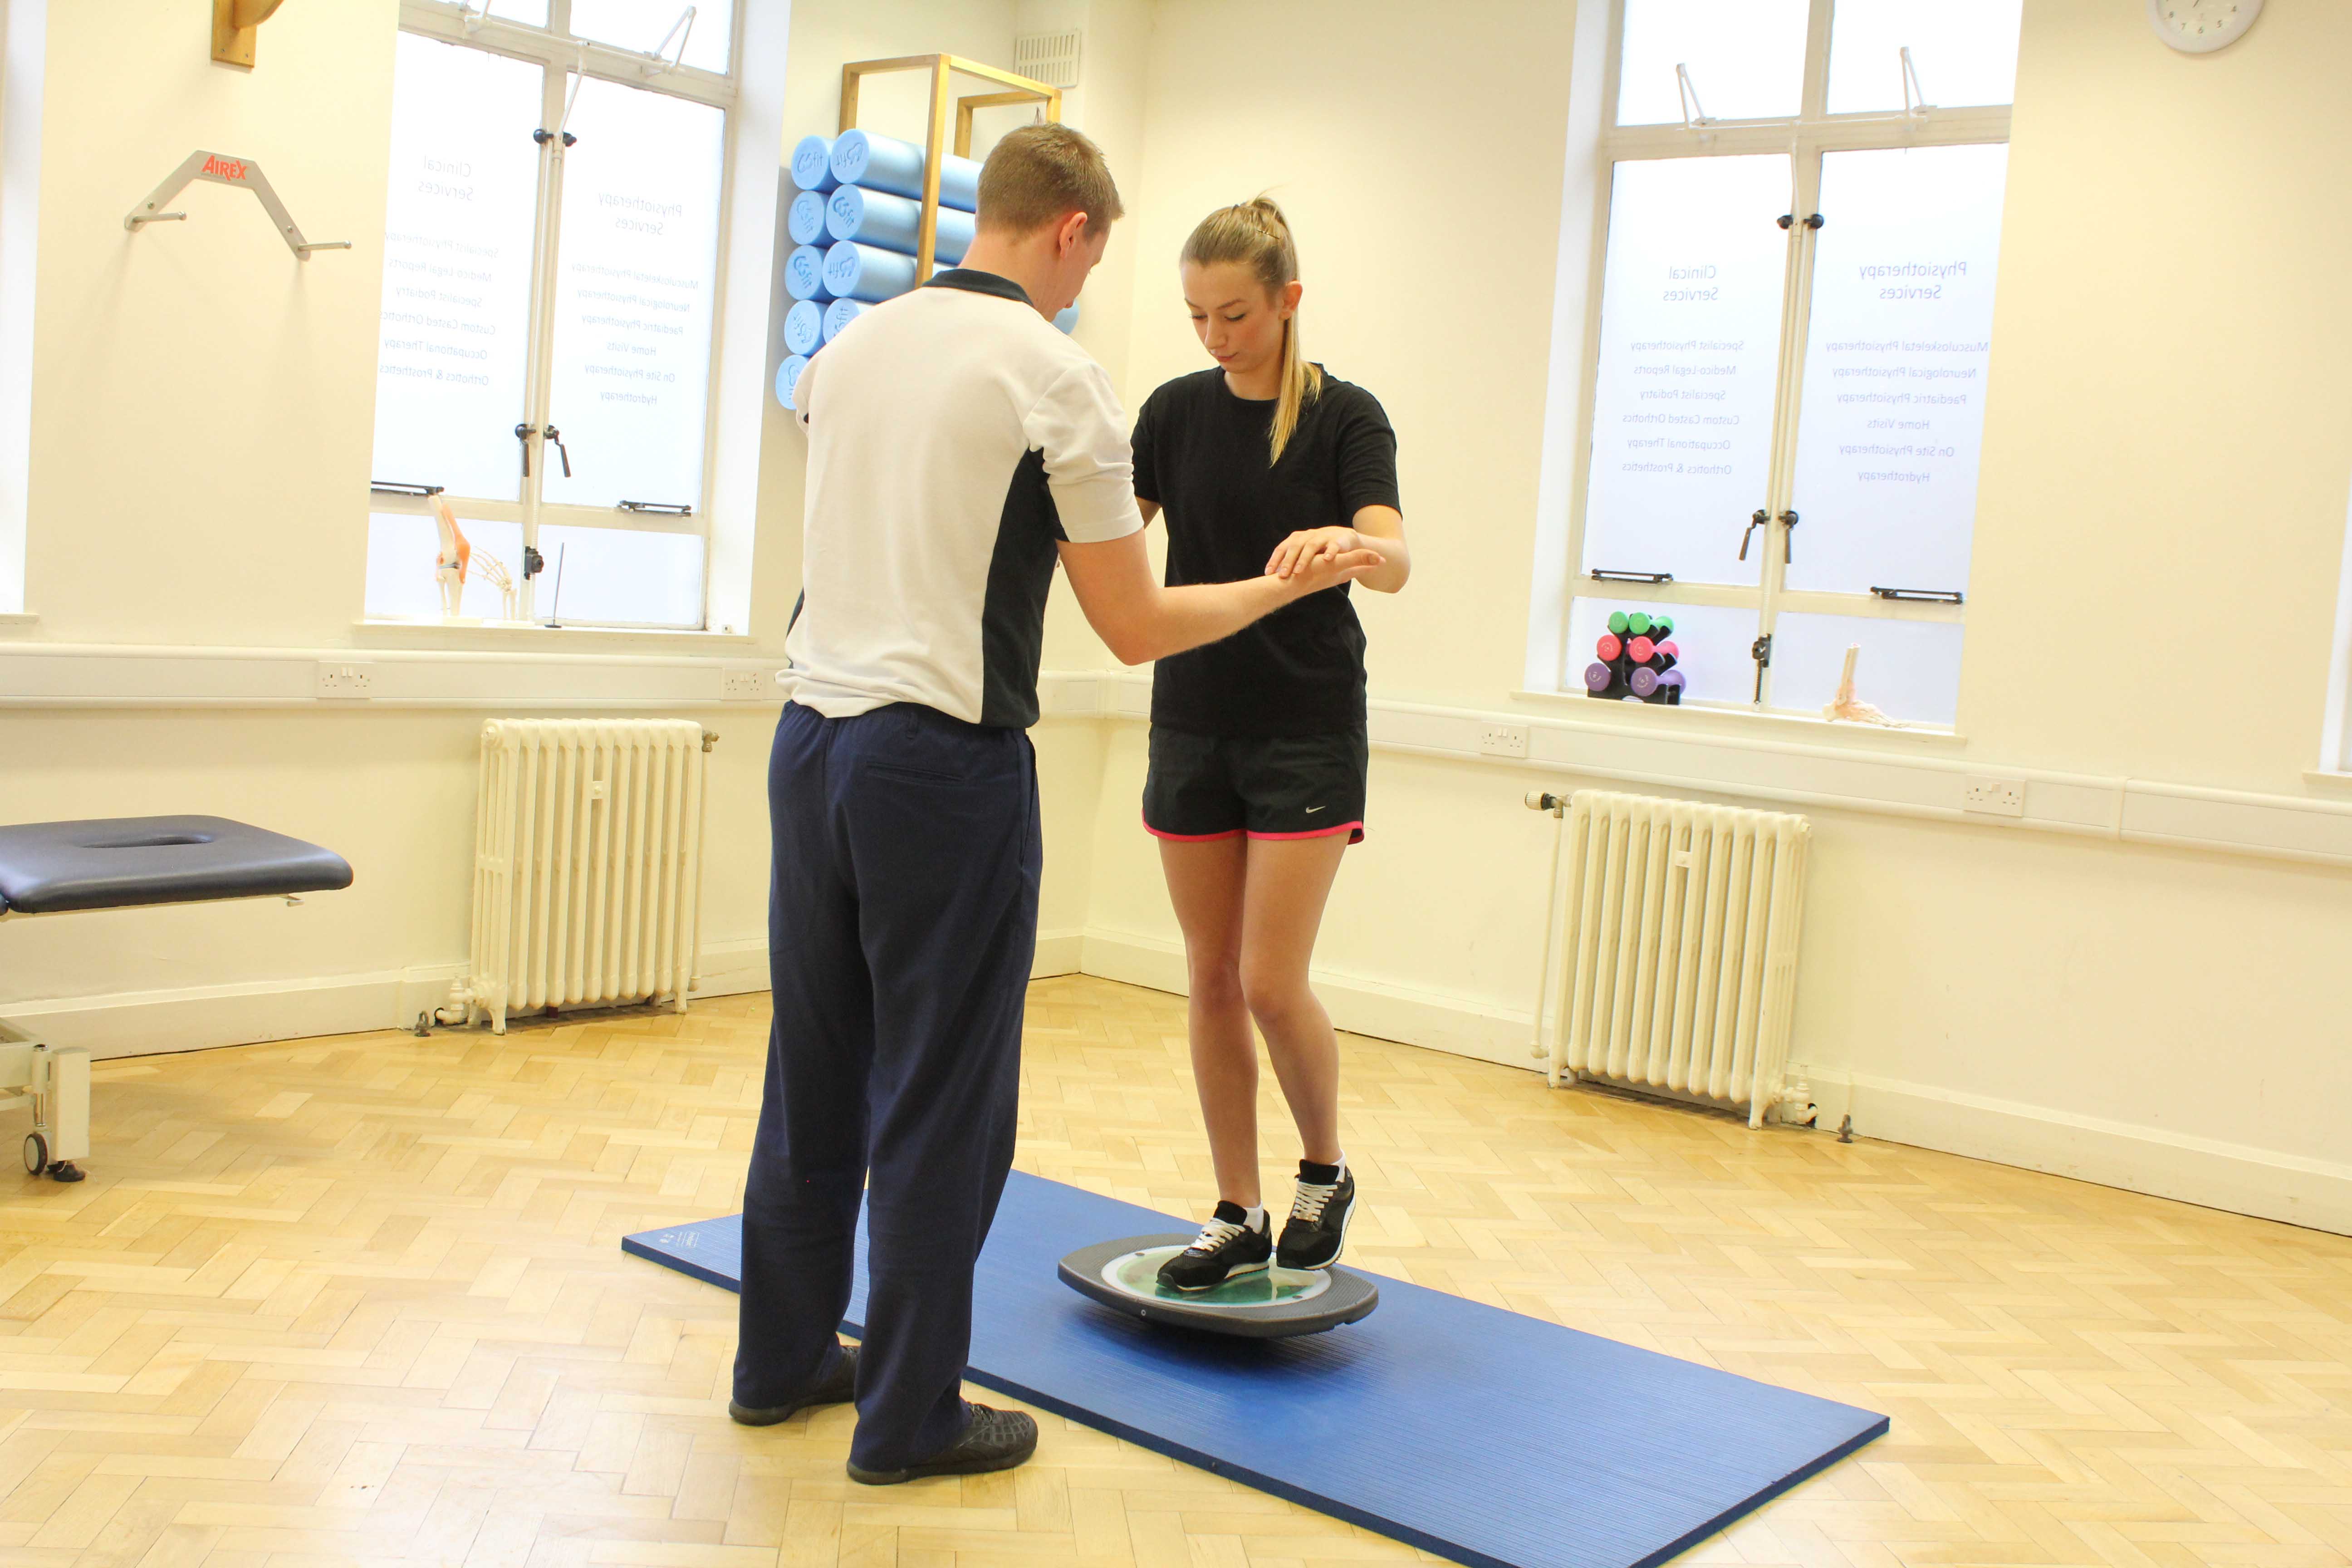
(2208, 1172)
(149, 1022)
(2235, 1177)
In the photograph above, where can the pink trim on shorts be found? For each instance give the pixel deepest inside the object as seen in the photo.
(1190, 837)
(1355, 828)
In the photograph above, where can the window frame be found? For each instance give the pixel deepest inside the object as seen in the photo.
(1805, 138)
(560, 56)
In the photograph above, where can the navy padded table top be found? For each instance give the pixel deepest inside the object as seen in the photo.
(50, 868)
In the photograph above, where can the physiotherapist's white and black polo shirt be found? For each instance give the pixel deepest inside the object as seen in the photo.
(954, 435)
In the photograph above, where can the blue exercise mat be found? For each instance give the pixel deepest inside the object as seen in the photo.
(1480, 1434)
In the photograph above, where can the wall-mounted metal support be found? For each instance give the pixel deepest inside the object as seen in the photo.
(224, 170)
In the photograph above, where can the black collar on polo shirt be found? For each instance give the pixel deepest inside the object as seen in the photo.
(978, 282)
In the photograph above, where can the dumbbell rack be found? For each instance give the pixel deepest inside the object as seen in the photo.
(1012, 89)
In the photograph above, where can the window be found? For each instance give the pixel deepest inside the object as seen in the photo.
(552, 279)
(1802, 215)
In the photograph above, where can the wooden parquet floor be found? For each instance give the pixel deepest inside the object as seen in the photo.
(360, 1300)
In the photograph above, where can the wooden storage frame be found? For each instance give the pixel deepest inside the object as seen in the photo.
(1012, 89)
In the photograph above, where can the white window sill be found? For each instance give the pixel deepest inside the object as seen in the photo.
(1734, 719)
(17, 624)
(2328, 782)
(506, 635)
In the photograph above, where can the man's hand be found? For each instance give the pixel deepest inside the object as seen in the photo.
(1140, 620)
(1309, 544)
(1322, 568)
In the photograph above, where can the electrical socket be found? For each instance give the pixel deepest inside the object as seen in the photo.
(1503, 740)
(344, 683)
(747, 683)
(1995, 797)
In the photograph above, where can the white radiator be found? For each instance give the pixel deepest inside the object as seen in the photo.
(1670, 958)
(587, 865)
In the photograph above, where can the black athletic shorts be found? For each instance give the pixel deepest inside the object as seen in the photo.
(1284, 786)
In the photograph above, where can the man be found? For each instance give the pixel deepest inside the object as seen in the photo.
(956, 443)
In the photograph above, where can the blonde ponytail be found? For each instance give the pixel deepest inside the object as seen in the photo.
(1254, 235)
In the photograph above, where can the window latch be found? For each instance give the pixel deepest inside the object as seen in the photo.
(662, 508)
(1921, 596)
(1758, 520)
(1760, 650)
(533, 563)
(402, 487)
(523, 433)
(1603, 573)
(543, 136)
(1788, 220)
(1787, 535)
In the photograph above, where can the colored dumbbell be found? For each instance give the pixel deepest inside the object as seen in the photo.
(1640, 649)
(1671, 683)
(1618, 620)
(1643, 683)
(1599, 676)
(1608, 648)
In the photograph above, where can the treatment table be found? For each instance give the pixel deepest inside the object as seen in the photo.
(59, 867)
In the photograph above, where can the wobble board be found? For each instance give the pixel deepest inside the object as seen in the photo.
(1482, 1435)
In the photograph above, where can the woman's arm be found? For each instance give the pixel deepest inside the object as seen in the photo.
(1379, 529)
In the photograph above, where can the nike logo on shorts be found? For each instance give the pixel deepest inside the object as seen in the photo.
(1313, 809)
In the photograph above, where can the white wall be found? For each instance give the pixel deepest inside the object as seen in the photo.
(2166, 462)
(203, 410)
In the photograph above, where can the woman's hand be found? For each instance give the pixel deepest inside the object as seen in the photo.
(1309, 544)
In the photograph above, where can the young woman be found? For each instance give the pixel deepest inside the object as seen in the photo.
(1257, 782)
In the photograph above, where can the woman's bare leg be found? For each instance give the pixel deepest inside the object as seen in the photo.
(1206, 882)
(1288, 882)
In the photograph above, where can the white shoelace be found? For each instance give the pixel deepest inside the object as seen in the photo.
(1310, 1201)
(1214, 1235)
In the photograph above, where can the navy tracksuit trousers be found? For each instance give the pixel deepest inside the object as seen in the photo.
(901, 922)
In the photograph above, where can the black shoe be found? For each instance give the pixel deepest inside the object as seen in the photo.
(1318, 1226)
(1226, 1245)
(992, 1440)
(838, 1389)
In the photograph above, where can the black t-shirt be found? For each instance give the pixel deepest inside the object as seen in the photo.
(1200, 452)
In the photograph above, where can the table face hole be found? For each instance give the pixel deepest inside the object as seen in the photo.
(151, 841)
(1137, 1274)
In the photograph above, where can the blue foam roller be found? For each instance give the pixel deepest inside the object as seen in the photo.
(855, 271)
(804, 274)
(804, 220)
(812, 164)
(788, 378)
(878, 218)
(1067, 319)
(840, 313)
(804, 328)
(885, 164)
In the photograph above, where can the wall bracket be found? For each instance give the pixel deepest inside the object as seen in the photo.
(224, 170)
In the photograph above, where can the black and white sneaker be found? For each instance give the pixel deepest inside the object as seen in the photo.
(1318, 1226)
(1228, 1245)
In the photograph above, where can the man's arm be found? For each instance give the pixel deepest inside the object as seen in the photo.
(1140, 620)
